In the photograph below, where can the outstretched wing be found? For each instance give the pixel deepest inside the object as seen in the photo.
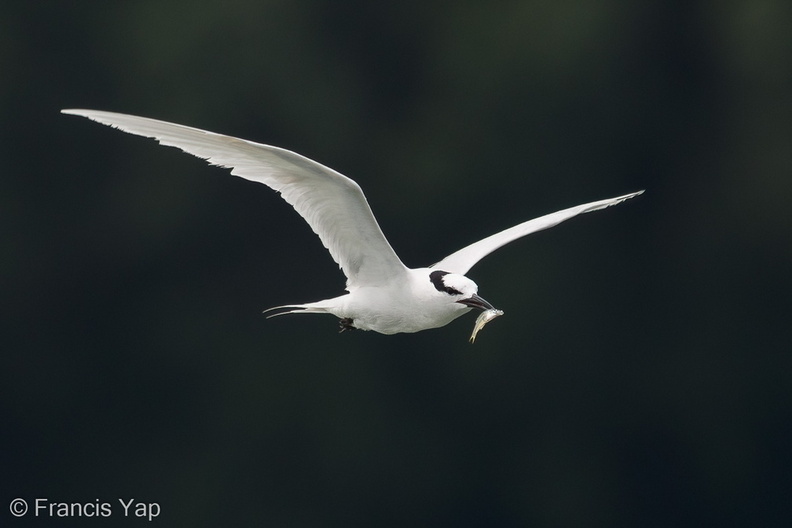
(332, 204)
(464, 259)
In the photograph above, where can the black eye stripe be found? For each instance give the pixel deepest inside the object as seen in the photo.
(437, 280)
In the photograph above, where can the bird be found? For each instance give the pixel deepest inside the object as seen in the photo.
(382, 294)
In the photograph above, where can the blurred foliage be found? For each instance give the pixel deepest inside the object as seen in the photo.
(639, 378)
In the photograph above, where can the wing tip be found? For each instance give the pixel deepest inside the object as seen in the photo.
(603, 204)
(76, 111)
(102, 117)
(630, 195)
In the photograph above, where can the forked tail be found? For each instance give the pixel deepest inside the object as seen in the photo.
(320, 307)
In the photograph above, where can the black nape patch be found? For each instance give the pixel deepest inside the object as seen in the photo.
(437, 279)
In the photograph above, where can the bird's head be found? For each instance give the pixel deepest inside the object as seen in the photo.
(459, 288)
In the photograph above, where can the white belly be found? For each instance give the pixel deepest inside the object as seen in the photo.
(391, 311)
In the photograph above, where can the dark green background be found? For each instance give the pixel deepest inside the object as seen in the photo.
(640, 376)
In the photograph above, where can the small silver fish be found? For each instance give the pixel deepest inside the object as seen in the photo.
(485, 317)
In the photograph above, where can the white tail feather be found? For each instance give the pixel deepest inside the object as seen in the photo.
(294, 309)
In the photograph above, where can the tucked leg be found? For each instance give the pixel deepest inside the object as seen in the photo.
(345, 324)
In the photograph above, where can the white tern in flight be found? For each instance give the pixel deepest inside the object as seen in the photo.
(383, 295)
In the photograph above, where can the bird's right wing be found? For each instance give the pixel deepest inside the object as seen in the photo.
(332, 204)
(464, 259)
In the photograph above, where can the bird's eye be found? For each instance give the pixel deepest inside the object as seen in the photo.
(437, 280)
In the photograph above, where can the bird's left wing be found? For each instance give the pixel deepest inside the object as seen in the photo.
(332, 204)
(464, 259)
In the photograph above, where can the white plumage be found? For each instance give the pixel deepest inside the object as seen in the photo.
(383, 294)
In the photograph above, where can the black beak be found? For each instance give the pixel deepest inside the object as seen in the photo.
(476, 302)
